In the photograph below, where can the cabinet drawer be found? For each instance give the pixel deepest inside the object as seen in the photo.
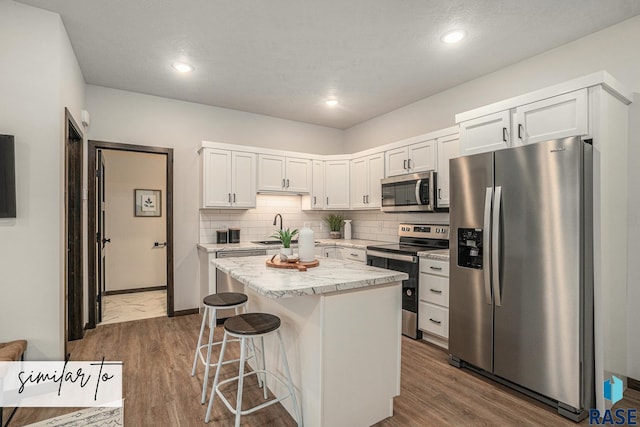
(434, 266)
(434, 289)
(433, 319)
(354, 254)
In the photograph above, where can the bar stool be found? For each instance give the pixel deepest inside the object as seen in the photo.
(246, 327)
(212, 303)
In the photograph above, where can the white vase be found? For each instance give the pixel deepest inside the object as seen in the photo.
(347, 229)
(306, 244)
(286, 251)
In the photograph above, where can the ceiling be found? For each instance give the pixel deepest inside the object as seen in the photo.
(283, 58)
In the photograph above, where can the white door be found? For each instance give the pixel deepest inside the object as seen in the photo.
(271, 173)
(298, 175)
(217, 178)
(486, 133)
(422, 157)
(552, 118)
(396, 162)
(376, 173)
(337, 184)
(317, 184)
(359, 182)
(448, 148)
(243, 166)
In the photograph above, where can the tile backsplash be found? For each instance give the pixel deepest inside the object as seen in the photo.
(257, 224)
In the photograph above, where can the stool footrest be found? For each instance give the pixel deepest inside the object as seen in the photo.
(257, 407)
(202, 357)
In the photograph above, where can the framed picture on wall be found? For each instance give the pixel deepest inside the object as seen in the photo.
(147, 202)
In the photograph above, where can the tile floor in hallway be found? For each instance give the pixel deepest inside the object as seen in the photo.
(134, 306)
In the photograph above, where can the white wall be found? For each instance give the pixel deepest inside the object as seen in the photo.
(132, 260)
(35, 87)
(132, 118)
(613, 49)
(633, 279)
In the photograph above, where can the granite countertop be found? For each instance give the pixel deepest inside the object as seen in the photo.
(441, 254)
(332, 275)
(354, 243)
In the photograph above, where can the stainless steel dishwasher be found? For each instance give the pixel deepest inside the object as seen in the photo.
(226, 283)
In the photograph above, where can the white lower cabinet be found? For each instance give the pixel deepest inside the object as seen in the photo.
(433, 307)
(327, 251)
(353, 254)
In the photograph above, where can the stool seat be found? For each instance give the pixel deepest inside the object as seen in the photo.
(225, 299)
(252, 324)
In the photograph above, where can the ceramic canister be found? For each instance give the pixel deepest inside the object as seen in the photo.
(306, 244)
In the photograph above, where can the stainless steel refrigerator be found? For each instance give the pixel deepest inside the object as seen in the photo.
(521, 280)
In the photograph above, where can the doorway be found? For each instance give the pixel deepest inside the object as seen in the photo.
(74, 301)
(103, 286)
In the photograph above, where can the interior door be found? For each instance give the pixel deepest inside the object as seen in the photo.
(102, 240)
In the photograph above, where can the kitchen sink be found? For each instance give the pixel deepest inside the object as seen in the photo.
(270, 242)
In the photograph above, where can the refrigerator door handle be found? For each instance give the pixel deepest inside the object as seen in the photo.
(495, 247)
(486, 255)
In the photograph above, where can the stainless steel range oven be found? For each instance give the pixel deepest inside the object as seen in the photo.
(403, 256)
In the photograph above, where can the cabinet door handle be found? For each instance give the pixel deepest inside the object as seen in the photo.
(314, 200)
(234, 197)
(435, 291)
(409, 164)
(327, 201)
(520, 130)
(287, 182)
(363, 200)
(504, 134)
(229, 197)
(435, 268)
(404, 164)
(283, 181)
(439, 193)
(437, 322)
(355, 255)
(367, 199)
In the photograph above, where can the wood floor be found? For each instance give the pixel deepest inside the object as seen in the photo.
(159, 389)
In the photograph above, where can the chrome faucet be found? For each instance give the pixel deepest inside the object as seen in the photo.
(275, 219)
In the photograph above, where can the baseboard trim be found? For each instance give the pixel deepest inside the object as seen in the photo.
(186, 312)
(135, 290)
(633, 384)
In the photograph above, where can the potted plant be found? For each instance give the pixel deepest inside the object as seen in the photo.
(285, 237)
(335, 223)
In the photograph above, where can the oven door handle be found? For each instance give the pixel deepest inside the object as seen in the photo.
(397, 257)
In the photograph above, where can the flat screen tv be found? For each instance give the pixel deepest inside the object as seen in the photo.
(7, 177)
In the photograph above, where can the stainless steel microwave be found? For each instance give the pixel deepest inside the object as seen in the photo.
(409, 193)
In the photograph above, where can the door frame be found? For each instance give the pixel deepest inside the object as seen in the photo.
(94, 146)
(73, 181)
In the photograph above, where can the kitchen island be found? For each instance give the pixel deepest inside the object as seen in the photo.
(341, 326)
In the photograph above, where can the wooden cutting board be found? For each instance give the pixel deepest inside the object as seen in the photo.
(276, 262)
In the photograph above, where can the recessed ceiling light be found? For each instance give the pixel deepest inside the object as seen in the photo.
(453, 36)
(182, 67)
(331, 102)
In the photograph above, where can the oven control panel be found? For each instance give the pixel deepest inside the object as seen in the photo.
(427, 231)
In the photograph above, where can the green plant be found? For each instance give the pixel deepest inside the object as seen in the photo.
(335, 221)
(285, 236)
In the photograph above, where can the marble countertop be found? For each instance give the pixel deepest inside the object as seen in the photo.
(353, 243)
(441, 255)
(332, 275)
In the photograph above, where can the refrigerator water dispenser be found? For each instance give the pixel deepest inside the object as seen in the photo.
(470, 248)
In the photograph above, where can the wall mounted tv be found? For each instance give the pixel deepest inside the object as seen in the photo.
(7, 177)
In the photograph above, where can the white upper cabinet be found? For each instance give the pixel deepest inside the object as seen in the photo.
(557, 117)
(419, 157)
(317, 185)
(283, 174)
(486, 133)
(336, 184)
(228, 179)
(448, 148)
(552, 117)
(366, 173)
